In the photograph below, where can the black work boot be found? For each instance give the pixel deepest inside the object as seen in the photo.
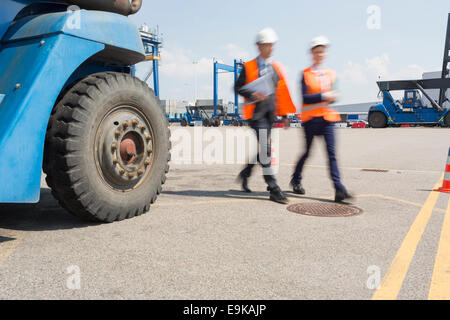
(244, 182)
(297, 187)
(342, 195)
(278, 196)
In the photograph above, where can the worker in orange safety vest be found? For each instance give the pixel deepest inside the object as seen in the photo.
(262, 105)
(318, 118)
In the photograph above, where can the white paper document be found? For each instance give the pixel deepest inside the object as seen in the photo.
(263, 84)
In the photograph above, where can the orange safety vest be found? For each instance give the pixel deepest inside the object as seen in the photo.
(283, 100)
(315, 85)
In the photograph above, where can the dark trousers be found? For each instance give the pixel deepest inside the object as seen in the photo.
(263, 157)
(320, 127)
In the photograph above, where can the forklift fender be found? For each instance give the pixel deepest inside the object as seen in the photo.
(381, 108)
(119, 36)
(37, 57)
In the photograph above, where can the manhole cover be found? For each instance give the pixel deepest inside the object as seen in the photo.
(321, 209)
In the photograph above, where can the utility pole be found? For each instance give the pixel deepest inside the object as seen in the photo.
(195, 63)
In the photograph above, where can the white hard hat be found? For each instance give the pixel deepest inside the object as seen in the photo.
(266, 35)
(320, 41)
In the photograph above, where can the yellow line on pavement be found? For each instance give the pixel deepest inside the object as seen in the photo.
(382, 196)
(440, 283)
(393, 280)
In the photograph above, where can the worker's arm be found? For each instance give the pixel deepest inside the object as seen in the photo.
(329, 96)
(240, 82)
(276, 78)
(285, 120)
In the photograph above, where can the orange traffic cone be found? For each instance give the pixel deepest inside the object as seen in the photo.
(446, 185)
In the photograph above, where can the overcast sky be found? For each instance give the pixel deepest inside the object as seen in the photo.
(391, 39)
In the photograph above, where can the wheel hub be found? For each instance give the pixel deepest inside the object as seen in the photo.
(128, 150)
(124, 148)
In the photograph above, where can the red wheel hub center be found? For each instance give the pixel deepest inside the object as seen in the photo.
(128, 148)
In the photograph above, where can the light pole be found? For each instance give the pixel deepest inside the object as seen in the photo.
(195, 63)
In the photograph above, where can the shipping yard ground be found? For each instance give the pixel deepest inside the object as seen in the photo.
(203, 239)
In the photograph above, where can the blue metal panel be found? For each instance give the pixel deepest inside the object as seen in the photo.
(396, 115)
(216, 84)
(152, 45)
(225, 67)
(380, 107)
(32, 76)
(236, 98)
(236, 69)
(156, 77)
(33, 73)
(104, 27)
(9, 10)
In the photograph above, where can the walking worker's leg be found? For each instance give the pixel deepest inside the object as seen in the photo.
(330, 140)
(247, 171)
(245, 174)
(309, 137)
(265, 157)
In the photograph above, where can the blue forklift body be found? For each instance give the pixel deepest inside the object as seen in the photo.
(412, 110)
(41, 55)
(409, 112)
(9, 10)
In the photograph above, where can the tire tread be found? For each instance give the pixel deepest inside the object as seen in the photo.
(64, 133)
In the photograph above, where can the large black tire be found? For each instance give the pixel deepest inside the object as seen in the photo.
(215, 122)
(206, 123)
(89, 166)
(377, 120)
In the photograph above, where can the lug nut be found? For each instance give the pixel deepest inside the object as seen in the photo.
(147, 161)
(115, 161)
(117, 133)
(134, 122)
(149, 148)
(125, 124)
(114, 146)
(140, 172)
(122, 172)
(147, 137)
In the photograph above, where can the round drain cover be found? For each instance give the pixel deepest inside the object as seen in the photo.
(322, 209)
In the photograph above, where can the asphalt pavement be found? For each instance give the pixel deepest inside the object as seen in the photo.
(205, 239)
